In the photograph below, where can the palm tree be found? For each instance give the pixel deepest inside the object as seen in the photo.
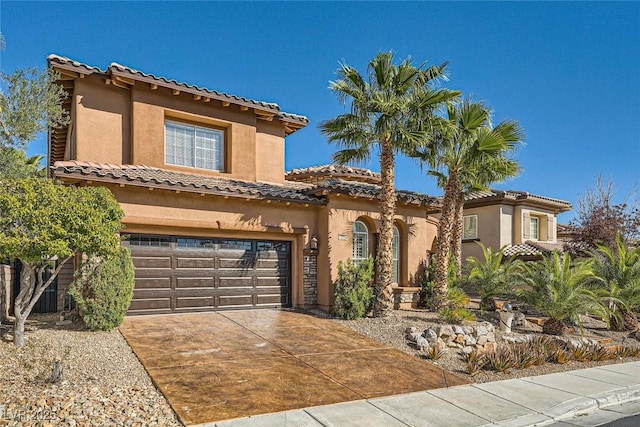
(493, 275)
(391, 111)
(562, 290)
(619, 274)
(470, 154)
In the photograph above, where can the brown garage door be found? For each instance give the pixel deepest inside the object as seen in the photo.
(180, 274)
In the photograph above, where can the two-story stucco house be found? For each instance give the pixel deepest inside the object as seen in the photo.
(525, 224)
(211, 217)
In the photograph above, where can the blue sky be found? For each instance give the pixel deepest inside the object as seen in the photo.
(568, 72)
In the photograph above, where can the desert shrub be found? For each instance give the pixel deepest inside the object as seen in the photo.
(560, 288)
(352, 289)
(492, 275)
(455, 311)
(103, 290)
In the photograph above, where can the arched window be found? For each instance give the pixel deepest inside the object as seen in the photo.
(395, 256)
(360, 242)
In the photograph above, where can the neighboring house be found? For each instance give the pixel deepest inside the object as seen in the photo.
(525, 224)
(211, 218)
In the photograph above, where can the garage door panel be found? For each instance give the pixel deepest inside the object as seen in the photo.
(273, 299)
(227, 301)
(153, 283)
(232, 264)
(224, 274)
(235, 282)
(195, 302)
(150, 304)
(195, 282)
(152, 262)
(272, 282)
(202, 263)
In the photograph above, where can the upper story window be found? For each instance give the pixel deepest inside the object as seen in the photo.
(470, 227)
(534, 228)
(360, 242)
(193, 146)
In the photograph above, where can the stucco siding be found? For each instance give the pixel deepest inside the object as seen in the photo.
(102, 126)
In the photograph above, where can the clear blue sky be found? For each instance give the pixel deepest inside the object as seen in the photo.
(568, 72)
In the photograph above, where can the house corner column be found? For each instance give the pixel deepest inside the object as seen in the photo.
(310, 277)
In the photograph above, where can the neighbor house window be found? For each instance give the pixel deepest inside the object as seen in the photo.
(533, 228)
(360, 242)
(395, 254)
(193, 146)
(470, 227)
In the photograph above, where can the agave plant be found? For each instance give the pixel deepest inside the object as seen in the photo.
(618, 271)
(560, 288)
(493, 275)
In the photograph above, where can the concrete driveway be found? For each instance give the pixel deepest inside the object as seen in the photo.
(223, 365)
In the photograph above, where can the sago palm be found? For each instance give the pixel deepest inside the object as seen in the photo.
(493, 275)
(619, 273)
(469, 154)
(560, 288)
(391, 110)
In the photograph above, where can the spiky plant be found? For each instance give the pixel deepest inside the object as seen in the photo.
(583, 353)
(455, 311)
(599, 353)
(560, 356)
(560, 289)
(475, 362)
(522, 355)
(500, 360)
(618, 271)
(434, 353)
(493, 275)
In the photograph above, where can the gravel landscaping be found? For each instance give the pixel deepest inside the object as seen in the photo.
(102, 383)
(391, 330)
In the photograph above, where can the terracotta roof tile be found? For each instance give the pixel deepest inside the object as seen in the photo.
(531, 248)
(116, 68)
(511, 194)
(371, 191)
(148, 176)
(318, 173)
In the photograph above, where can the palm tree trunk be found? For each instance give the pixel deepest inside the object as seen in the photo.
(456, 234)
(384, 292)
(441, 282)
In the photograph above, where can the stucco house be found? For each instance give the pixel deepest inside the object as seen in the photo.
(212, 219)
(525, 224)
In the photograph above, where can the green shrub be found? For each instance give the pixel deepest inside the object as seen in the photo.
(352, 290)
(492, 275)
(455, 311)
(103, 290)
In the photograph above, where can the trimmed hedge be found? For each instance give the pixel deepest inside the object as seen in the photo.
(103, 290)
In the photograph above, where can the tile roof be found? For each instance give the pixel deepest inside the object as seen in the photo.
(512, 195)
(371, 191)
(145, 176)
(531, 248)
(119, 69)
(318, 173)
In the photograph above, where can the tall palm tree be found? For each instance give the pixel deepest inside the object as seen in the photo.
(619, 279)
(391, 111)
(470, 154)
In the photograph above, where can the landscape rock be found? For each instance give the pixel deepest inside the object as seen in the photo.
(445, 331)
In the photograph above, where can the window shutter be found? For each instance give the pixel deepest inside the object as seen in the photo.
(550, 229)
(526, 226)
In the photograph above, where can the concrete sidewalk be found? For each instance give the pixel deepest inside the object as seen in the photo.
(531, 401)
